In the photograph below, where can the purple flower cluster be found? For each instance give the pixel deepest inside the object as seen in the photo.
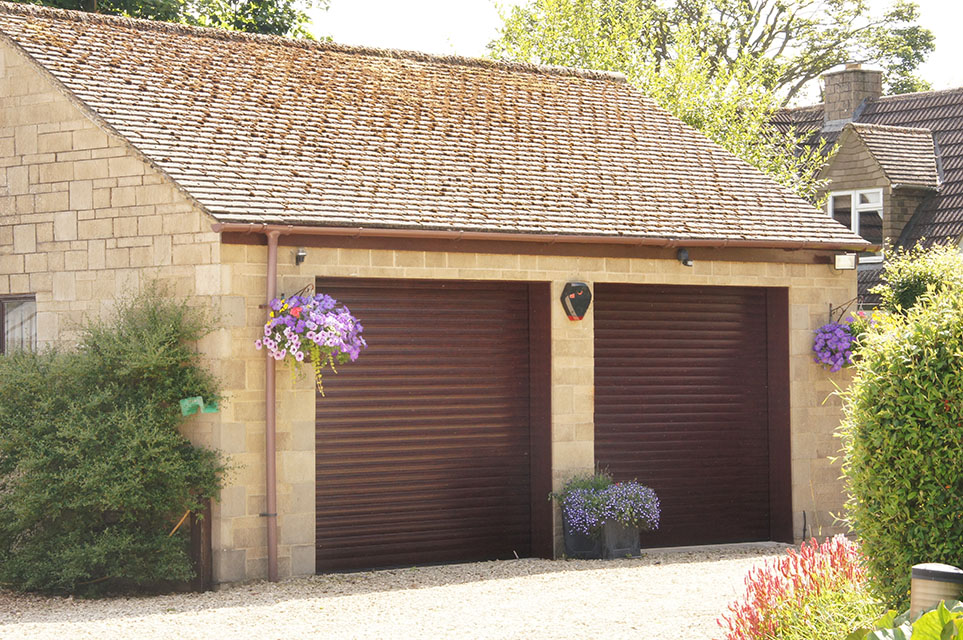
(834, 345)
(630, 503)
(300, 326)
(583, 510)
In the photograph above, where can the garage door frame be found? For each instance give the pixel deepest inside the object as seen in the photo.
(540, 387)
(776, 423)
(780, 453)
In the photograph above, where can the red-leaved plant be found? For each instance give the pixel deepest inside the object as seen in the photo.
(792, 582)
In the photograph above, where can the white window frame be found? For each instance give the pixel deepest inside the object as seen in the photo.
(855, 209)
(6, 299)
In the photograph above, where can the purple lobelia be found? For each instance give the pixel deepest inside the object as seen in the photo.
(589, 501)
(315, 327)
(631, 504)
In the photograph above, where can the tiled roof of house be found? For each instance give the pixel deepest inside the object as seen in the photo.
(264, 129)
(939, 218)
(905, 154)
(867, 278)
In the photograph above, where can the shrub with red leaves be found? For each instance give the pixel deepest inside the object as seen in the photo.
(781, 592)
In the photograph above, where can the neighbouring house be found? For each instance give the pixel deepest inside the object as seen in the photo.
(898, 172)
(447, 202)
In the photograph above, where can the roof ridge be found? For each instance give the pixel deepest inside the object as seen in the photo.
(918, 94)
(141, 24)
(784, 109)
(889, 127)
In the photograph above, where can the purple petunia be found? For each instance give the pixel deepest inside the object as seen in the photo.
(314, 326)
(833, 345)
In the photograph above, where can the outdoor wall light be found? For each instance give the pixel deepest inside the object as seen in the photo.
(576, 297)
(683, 256)
(845, 261)
(300, 255)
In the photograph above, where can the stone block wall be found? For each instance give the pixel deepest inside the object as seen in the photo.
(86, 222)
(844, 91)
(815, 411)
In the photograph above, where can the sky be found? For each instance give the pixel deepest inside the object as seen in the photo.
(464, 27)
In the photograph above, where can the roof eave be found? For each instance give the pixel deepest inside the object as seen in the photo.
(717, 243)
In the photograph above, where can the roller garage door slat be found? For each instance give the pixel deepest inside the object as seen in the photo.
(423, 444)
(681, 404)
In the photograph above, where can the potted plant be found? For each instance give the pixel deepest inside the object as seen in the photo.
(836, 344)
(602, 518)
(315, 329)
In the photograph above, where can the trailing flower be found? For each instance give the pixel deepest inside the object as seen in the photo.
(314, 328)
(588, 501)
(632, 504)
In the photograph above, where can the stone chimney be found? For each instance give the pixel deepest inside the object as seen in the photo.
(845, 90)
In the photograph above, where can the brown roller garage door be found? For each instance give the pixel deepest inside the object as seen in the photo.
(432, 446)
(691, 389)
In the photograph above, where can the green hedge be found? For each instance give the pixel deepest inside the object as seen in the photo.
(93, 471)
(908, 275)
(903, 442)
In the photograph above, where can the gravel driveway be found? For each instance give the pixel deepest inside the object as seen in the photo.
(664, 594)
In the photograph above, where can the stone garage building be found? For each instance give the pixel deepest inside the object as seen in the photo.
(447, 202)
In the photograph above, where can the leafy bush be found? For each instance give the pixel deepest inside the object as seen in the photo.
(93, 472)
(589, 500)
(942, 622)
(815, 593)
(901, 438)
(908, 275)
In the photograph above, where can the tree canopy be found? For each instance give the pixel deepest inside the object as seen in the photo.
(792, 42)
(275, 17)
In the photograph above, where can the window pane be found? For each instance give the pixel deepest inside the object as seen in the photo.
(871, 226)
(870, 197)
(842, 210)
(19, 325)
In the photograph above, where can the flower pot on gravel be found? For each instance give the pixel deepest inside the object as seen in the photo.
(602, 519)
(583, 546)
(620, 540)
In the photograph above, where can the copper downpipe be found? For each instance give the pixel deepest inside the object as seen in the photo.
(270, 421)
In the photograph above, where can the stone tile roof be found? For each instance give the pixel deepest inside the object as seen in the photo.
(905, 154)
(939, 219)
(263, 129)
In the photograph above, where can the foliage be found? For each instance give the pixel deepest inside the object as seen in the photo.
(589, 500)
(93, 471)
(903, 422)
(792, 41)
(730, 104)
(276, 17)
(817, 592)
(860, 324)
(332, 335)
(942, 622)
(907, 275)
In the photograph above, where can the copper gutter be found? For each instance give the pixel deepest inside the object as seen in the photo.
(356, 232)
(270, 421)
